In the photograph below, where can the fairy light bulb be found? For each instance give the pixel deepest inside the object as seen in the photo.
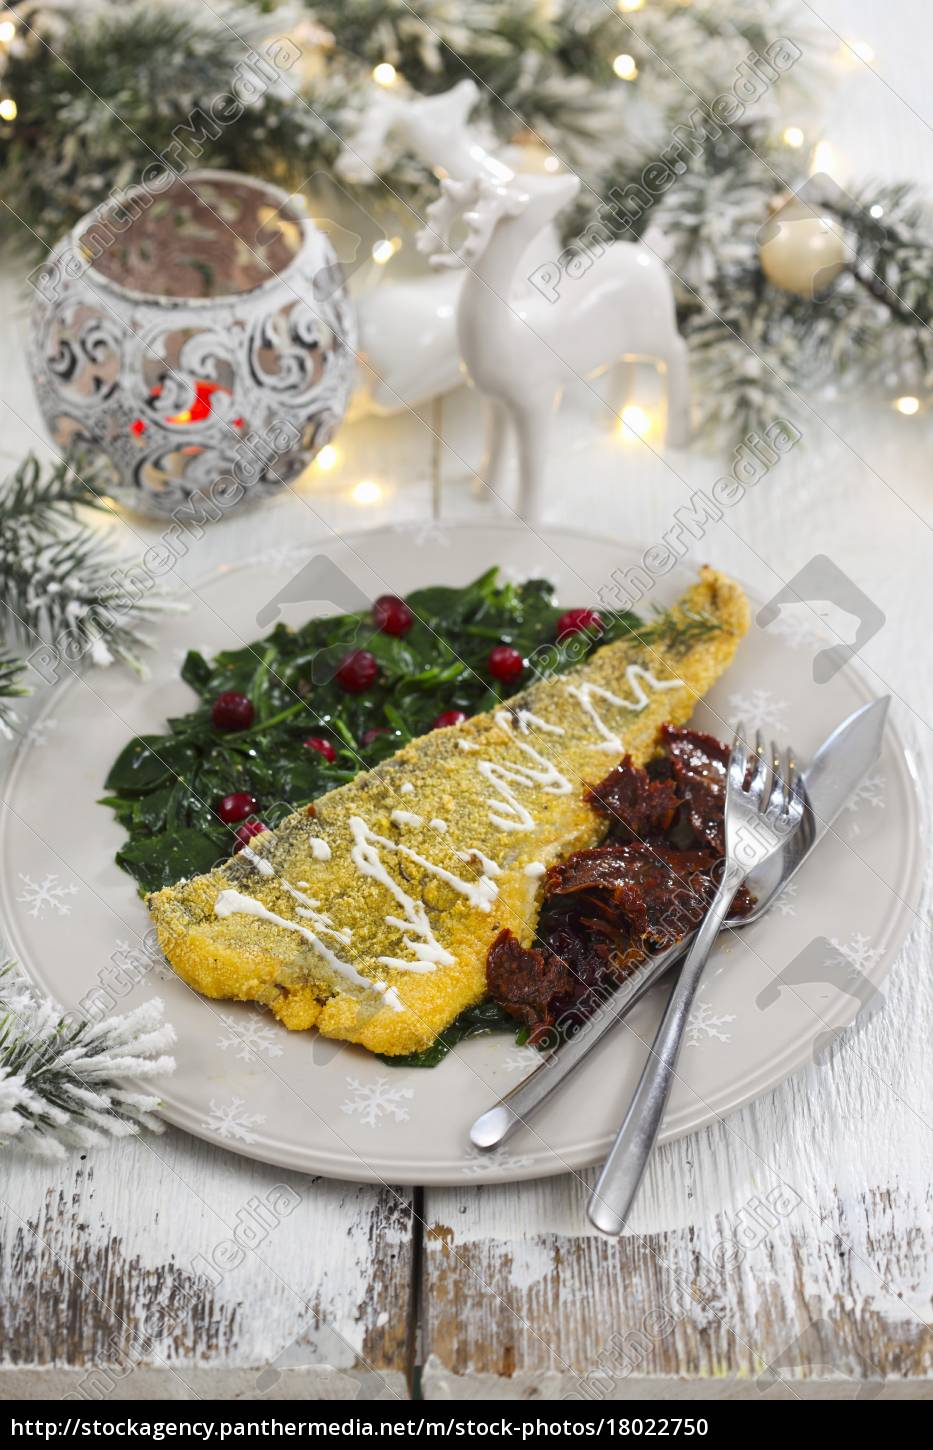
(876, 212)
(7, 109)
(907, 405)
(635, 422)
(823, 160)
(7, 32)
(625, 67)
(385, 74)
(628, 7)
(861, 50)
(793, 136)
(327, 458)
(385, 249)
(366, 492)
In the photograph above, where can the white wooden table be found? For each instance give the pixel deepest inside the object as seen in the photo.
(114, 1279)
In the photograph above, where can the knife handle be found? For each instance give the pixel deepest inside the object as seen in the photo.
(511, 1111)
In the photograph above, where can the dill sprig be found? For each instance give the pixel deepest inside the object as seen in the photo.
(675, 631)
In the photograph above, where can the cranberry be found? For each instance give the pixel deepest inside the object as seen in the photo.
(231, 711)
(448, 717)
(505, 663)
(392, 615)
(245, 833)
(579, 621)
(322, 746)
(236, 807)
(356, 671)
(368, 736)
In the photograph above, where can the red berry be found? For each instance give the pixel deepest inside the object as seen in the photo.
(322, 746)
(448, 717)
(231, 711)
(236, 807)
(392, 615)
(579, 621)
(368, 736)
(356, 671)
(505, 663)
(245, 833)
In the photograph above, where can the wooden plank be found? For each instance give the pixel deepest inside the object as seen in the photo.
(172, 1268)
(761, 1265)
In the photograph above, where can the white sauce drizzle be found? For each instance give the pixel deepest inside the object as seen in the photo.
(524, 718)
(488, 866)
(634, 676)
(231, 902)
(406, 788)
(467, 745)
(437, 824)
(514, 816)
(264, 867)
(405, 818)
(320, 851)
(535, 868)
(418, 934)
(308, 908)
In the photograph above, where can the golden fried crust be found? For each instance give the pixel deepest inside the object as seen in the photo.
(242, 957)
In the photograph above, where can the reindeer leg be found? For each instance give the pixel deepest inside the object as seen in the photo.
(533, 426)
(623, 383)
(492, 470)
(678, 395)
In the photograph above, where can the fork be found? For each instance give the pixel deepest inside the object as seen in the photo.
(764, 806)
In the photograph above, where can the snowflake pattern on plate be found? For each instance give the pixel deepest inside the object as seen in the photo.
(869, 792)
(799, 629)
(230, 1122)
(858, 952)
(785, 901)
(759, 710)
(251, 1037)
(46, 895)
(424, 532)
(477, 1163)
(40, 730)
(373, 1101)
(704, 1025)
(136, 958)
(523, 1060)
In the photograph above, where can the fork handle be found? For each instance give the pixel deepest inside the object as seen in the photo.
(612, 1198)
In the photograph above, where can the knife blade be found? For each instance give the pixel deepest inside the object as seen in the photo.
(834, 773)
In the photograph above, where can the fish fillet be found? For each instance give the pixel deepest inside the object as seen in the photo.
(369, 914)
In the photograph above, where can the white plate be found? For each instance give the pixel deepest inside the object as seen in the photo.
(300, 1101)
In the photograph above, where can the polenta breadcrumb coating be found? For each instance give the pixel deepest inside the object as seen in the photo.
(369, 915)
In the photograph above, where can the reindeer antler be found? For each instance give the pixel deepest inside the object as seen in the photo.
(479, 204)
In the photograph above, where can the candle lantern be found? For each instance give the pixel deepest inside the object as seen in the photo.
(198, 333)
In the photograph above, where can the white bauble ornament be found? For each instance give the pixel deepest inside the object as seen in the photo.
(802, 250)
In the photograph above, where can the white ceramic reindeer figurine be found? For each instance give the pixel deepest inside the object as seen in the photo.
(521, 348)
(408, 341)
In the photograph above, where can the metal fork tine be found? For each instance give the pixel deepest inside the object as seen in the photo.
(778, 780)
(761, 773)
(738, 759)
(793, 807)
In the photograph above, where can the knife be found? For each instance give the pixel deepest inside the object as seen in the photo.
(832, 776)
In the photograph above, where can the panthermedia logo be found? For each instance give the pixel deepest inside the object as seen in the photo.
(825, 591)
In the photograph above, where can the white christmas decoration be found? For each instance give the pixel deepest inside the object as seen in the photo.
(407, 324)
(585, 314)
(62, 1076)
(211, 353)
